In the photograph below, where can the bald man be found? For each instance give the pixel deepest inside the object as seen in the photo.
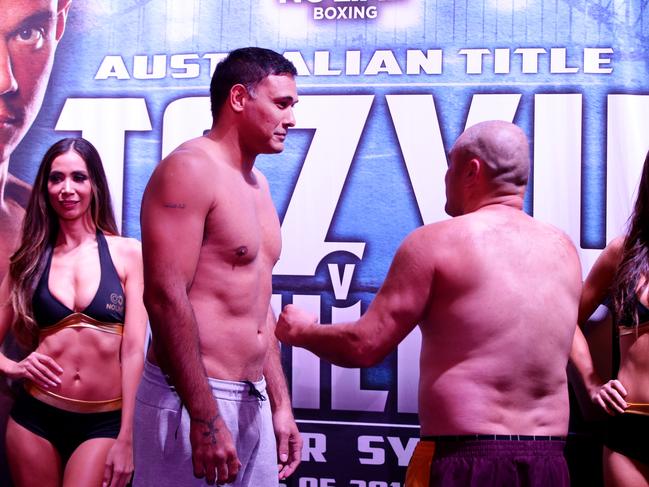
(495, 294)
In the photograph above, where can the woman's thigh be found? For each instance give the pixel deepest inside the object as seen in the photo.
(622, 471)
(33, 461)
(85, 468)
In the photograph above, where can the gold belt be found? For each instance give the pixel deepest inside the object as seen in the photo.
(72, 405)
(80, 320)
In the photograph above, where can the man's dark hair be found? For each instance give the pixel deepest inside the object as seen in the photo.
(246, 66)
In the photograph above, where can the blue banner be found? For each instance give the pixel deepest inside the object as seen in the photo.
(385, 88)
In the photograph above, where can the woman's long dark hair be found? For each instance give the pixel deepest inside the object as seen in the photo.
(41, 225)
(633, 271)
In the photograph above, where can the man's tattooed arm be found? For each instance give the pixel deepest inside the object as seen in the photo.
(211, 427)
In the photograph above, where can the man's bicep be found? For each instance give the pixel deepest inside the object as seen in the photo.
(172, 224)
(403, 298)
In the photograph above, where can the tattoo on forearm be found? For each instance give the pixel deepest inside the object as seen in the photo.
(178, 206)
(212, 430)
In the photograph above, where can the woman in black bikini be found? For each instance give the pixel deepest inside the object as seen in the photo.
(621, 275)
(74, 297)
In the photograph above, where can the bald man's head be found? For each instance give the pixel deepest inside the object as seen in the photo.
(502, 152)
(501, 146)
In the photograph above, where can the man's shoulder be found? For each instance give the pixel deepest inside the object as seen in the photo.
(553, 233)
(430, 238)
(511, 226)
(427, 231)
(197, 153)
(191, 165)
(451, 228)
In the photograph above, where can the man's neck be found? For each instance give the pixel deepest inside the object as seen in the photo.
(514, 202)
(229, 142)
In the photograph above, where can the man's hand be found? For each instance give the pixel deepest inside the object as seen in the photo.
(610, 397)
(213, 453)
(289, 442)
(291, 323)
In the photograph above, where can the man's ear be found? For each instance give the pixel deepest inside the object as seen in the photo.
(61, 17)
(238, 96)
(472, 170)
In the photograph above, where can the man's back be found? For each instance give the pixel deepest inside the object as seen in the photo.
(499, 325)
(495, 294)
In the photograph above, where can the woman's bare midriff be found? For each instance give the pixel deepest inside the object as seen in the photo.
(90, 360)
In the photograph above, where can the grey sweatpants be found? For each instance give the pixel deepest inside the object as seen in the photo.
(162, 451)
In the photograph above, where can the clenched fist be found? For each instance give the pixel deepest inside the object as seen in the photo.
(291, 324)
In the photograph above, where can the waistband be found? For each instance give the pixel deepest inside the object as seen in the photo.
(80, 320)
(623, 330)
(224, 389)
(72, 405)
(501, 448)
(481, 437)
(640, 408)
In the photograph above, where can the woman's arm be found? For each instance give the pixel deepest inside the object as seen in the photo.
(600, 279)
(37, 367)
(119, 462)
(610, 395)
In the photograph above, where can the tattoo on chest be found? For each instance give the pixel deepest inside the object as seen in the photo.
(178, 206)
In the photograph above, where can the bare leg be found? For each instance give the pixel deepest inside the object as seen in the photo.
(5, 406)
(86, 465)
(33, 461)
(622, 471)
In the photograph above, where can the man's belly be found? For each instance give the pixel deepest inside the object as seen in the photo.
(228, 353)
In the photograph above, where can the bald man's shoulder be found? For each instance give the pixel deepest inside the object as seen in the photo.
(438, 241)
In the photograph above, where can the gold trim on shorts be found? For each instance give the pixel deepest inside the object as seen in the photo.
(80, 320)
(628, 330)
(72, 405)
(640, 408)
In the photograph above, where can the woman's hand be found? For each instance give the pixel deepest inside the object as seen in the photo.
(610, 397)
(119, 464)
(37, 367)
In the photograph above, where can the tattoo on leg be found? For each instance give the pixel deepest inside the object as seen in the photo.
(178, 206)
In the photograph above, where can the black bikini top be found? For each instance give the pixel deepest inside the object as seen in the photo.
(107, 307)
(625, 328)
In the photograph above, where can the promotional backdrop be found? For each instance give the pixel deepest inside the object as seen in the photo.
(385, 87)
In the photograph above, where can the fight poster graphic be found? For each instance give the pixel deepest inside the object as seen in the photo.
(385, 87)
